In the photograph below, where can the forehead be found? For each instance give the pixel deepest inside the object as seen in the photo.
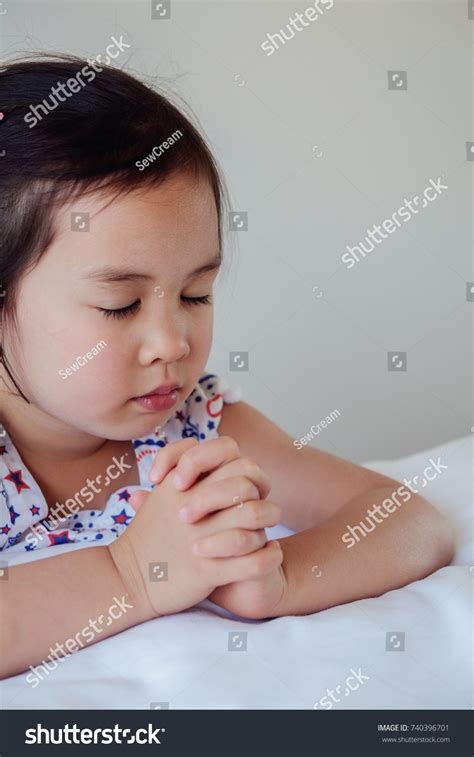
(175, 222)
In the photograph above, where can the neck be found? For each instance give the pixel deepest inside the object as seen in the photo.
(43, 435)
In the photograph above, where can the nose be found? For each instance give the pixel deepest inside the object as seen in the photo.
(164, 339)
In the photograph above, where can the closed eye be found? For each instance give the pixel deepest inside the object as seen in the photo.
(121, 312)
(134, 307)
(206, 299)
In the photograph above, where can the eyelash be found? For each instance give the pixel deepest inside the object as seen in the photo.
(124, 312)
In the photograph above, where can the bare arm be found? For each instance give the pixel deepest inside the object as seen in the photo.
(310, 485)
(321, 571)
(66, 598)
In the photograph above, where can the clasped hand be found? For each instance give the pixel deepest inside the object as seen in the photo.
(221, 485)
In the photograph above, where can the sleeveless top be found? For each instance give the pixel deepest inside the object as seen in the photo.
(24, 522)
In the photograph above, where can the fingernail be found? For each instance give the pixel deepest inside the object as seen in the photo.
(184, 513)
(155, 476)
(196, 549)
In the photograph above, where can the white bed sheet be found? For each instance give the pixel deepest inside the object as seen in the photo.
(183, 660)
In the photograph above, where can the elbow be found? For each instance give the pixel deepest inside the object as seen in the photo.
(425, 543)
(438, 537)
(446, 543)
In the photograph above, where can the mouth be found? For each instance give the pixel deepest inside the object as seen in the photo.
(160, 390)
(163, 397)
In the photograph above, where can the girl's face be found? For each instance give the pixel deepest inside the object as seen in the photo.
(130, 335)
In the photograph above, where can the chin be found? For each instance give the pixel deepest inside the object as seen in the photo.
(149, 426)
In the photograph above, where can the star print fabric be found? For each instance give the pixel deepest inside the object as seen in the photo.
(24, 521)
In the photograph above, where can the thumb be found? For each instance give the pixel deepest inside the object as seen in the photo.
(138, 497)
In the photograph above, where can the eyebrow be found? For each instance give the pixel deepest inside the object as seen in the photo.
(111, 274)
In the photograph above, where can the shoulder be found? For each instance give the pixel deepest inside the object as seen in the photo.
(251, 429)
(309, 484)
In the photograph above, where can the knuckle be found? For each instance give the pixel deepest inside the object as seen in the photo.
(277, 549)
(196, 504)
(257, 515)
(250, 467)
(240, 540)
(230, 442)
(170, 451)
(187, 462)
(202, 506)
(163, 455)
(278, 559)
(247, 488)
(189, 441)
(259, 561)
(192, 503)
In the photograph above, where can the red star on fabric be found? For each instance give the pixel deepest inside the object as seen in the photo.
(61, 538)
(16, 477)
(121, 518)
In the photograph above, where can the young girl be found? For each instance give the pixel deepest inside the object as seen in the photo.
(112, 211)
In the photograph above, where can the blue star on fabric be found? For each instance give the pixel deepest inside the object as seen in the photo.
(124, 495)
(13, 514)
(61, 538)
(121, 518)
(16, 477)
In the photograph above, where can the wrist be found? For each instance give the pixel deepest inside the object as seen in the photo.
(130, 576)
(282, 607)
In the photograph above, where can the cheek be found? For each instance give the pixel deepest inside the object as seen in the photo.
(63, 363)
(201, 336)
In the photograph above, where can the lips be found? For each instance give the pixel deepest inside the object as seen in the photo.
(163, 389)
(160, 399)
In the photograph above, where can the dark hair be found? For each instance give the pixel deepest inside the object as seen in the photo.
(91, 141)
